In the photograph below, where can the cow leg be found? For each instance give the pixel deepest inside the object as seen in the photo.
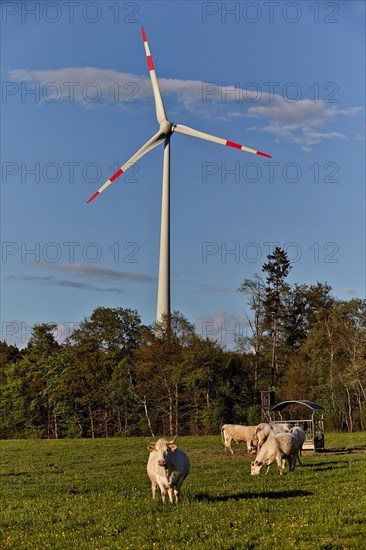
(282, 473)
(170, 494)
(281, 464)
(251, 447)
(228, 448)
(177, 489)
(162, 491)
(154, 486)
(292, 461)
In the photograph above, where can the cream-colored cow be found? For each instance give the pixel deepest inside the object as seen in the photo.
(167, 468)
(237, 433)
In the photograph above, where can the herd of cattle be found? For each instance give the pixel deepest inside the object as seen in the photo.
(168, 465)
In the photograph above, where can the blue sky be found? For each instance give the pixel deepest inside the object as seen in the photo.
(286, 78)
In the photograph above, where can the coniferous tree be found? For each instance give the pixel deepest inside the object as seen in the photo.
(277, 269)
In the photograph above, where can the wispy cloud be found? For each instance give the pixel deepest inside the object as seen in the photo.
(97, 272)
(52, 281)
(91, 87)
(305, 136)
(207, 288)
(95, 275)
(349, 291)
(29, 278)
(296, 122)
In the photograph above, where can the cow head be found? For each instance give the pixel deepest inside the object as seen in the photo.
(163, 448)
(255, 467)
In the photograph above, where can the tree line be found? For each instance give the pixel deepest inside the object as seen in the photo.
(115, 376)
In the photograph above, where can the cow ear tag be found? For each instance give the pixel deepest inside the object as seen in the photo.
(172, 447)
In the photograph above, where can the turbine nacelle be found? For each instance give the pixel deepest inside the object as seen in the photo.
(166, 128)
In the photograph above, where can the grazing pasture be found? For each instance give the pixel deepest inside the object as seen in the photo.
(95, 494)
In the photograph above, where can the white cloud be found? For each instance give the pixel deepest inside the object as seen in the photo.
(302, 112)
(64, 330)
(304, 136)
(222, 327)
(294, 122)
(349, 291)
(91, 87)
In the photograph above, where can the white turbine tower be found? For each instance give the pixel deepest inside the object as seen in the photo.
(164, 133)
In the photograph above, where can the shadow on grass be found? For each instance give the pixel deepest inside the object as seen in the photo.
(16, 474)
(326, 467)
(316, 464)
(342, 450)
(248, 496)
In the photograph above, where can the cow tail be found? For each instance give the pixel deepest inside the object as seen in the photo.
(222, 434)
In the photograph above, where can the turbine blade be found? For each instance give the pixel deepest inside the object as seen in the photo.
(153, 142)
(181, 129)
(159, 106)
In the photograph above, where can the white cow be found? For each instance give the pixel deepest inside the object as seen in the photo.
(167, 467)
(237, 432)
(301, 436)
(264, 431)
(276, 449)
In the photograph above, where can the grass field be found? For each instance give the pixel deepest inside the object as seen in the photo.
(95, 494)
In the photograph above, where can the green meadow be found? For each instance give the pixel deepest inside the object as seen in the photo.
(95, 494)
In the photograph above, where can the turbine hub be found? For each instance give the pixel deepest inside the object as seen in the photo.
(166, 127)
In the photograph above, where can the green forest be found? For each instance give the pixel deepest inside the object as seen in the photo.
(115, 376)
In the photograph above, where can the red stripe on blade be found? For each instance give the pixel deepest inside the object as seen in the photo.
(93, 197)
(150, 63)
(232, 144)
(143, 34)
(116, 175)
(263, 154)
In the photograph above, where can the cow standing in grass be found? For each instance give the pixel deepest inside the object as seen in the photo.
(167, 468)
(264, 431)
(237, 432)
(277, 448)
(298, 432)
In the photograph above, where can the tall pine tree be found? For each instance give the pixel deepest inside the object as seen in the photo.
(277, 268)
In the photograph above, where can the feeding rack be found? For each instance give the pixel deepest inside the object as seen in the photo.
(293, 413)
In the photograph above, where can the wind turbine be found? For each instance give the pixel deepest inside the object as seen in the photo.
(164, 133)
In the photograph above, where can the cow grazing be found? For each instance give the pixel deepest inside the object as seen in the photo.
(276, 449)
(236, 432)
(264, 431)
(167, 468)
